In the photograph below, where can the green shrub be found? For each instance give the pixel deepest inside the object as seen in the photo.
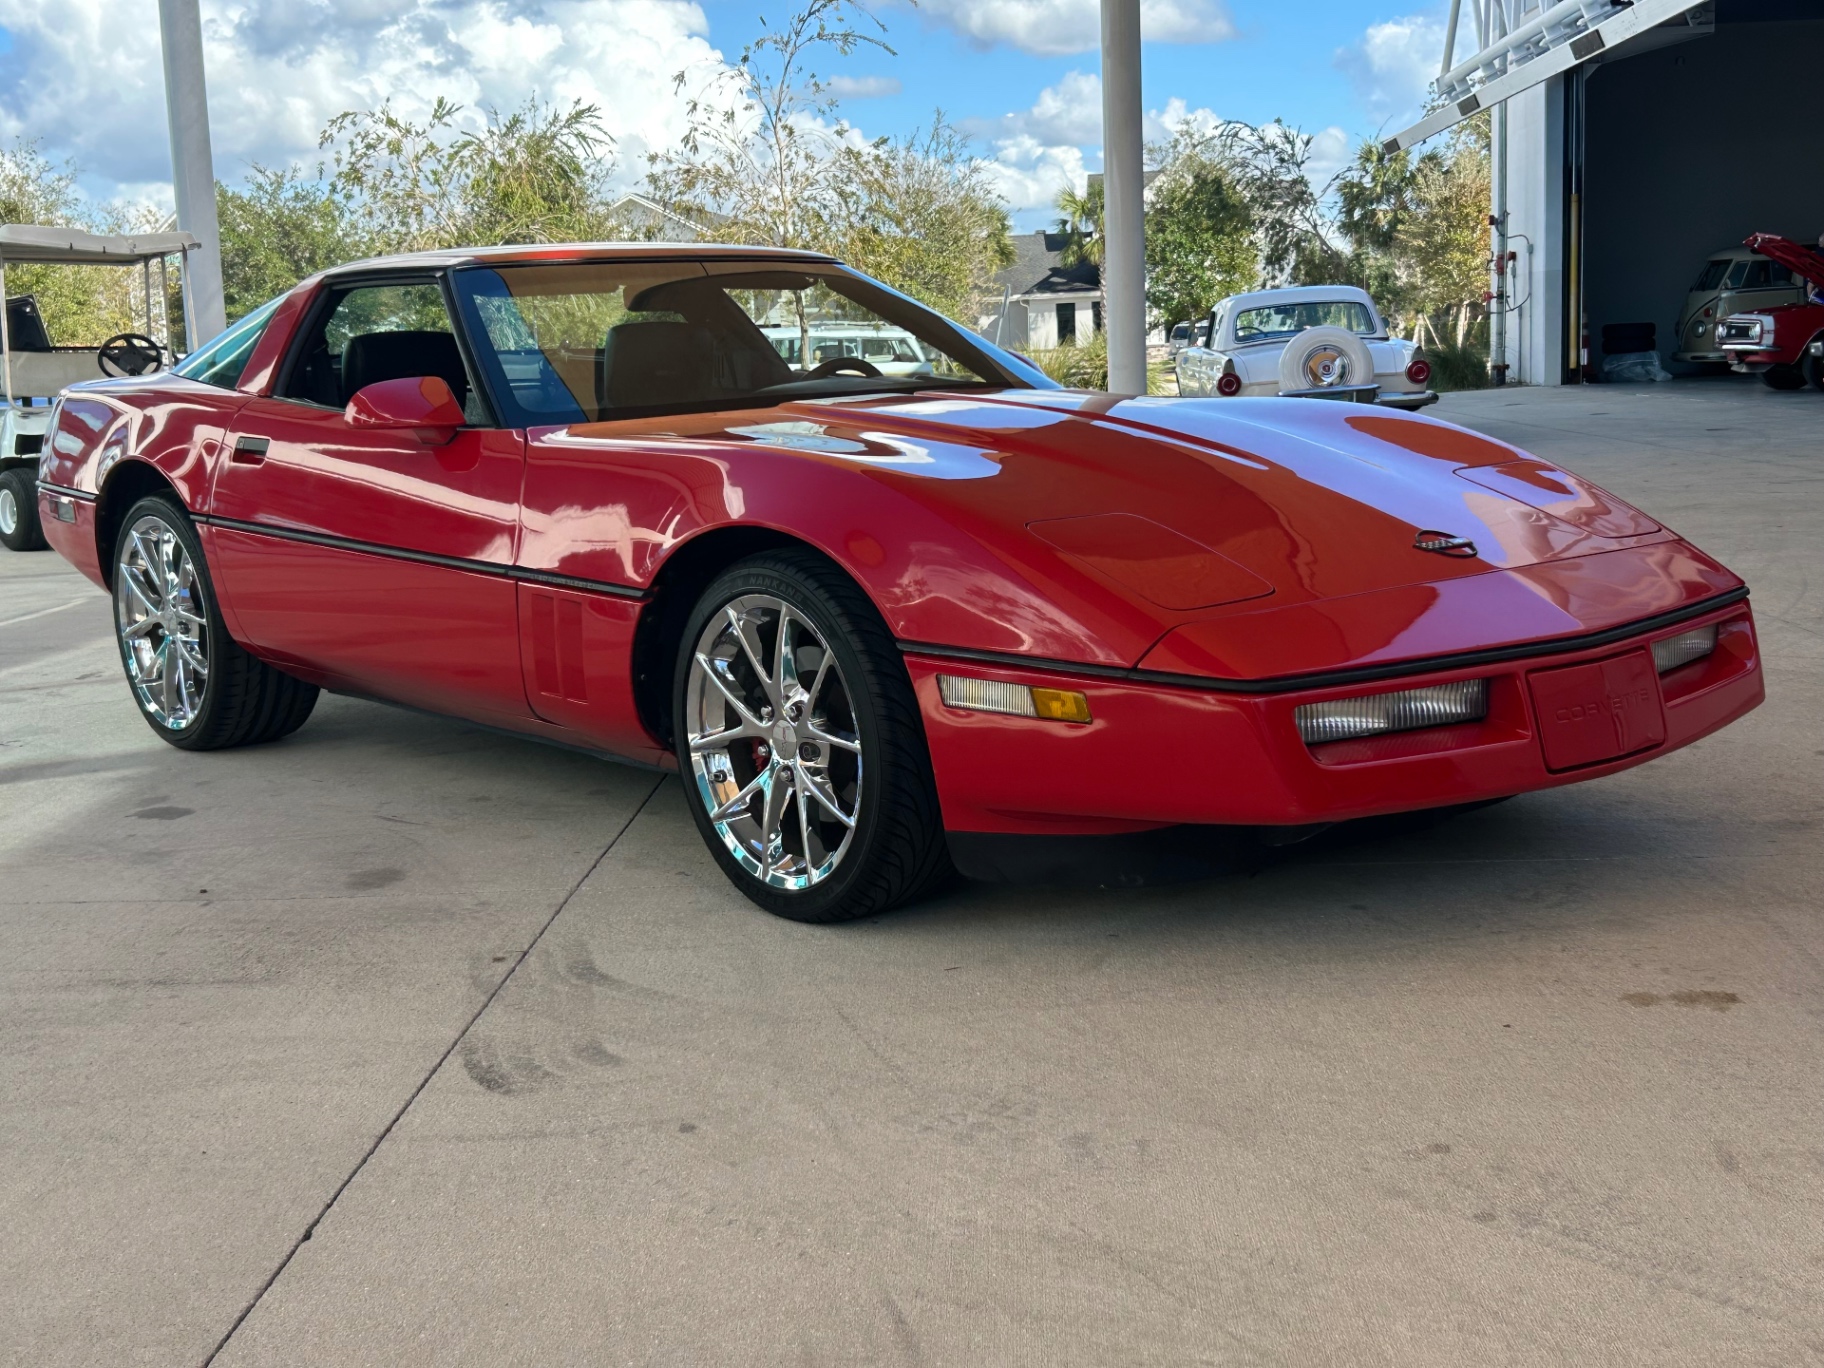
(1457, 368)
(1077, 365)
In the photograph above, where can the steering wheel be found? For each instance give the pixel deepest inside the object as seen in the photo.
(842, 363)
(129, 353)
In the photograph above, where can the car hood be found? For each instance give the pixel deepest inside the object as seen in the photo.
(1122, 519)
(1802, 261)
(1313, 499)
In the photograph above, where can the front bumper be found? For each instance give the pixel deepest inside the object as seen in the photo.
(1166, 754)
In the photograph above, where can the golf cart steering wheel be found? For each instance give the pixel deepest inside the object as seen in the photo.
(129, 354)
(853, 364)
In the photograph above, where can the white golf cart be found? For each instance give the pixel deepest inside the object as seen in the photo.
(33, 371)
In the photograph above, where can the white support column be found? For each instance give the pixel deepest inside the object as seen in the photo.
(1123, 184)
(192, 168)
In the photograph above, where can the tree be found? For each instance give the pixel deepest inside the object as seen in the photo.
(760, 143)
(767, 157)
(1417, 230)
(1199, 241)
(1081, 224)
(1269, 166)
(918, 213)
(277, 229)
(1374, 199)
(536, 175)
(81, 305)
(1445, 238)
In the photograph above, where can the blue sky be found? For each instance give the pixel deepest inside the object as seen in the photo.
(1018, 75)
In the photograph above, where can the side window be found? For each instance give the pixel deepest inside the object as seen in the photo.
(221, 361)
(1760, 275)
(364, 334)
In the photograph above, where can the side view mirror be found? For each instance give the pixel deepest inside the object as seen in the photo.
(420, 403)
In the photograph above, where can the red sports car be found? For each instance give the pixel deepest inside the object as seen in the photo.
(888, 599)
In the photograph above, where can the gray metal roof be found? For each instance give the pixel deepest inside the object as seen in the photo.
(35, 243)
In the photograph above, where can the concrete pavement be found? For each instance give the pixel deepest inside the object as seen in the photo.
(400, 1043)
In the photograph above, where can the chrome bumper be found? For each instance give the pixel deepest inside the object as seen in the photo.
(1408, 401)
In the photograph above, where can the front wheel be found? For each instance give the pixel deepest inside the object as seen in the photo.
(1812, 368)
(1783, 378)
(800, 744)
(19, 529)
(194, 684)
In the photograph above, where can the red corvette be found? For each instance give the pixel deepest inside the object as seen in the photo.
(888, 599)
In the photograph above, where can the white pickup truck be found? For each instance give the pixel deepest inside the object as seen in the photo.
(1306, 341)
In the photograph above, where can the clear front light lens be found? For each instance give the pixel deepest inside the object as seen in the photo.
(1436, 705)
(1670, 653)
(1015, 700)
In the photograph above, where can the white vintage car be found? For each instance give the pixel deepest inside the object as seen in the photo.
(1308, 341)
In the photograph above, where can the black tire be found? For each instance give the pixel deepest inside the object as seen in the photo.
(1783, 378)
(19, 528)
(896, 850)
(1812, 368)
(243, 701)
(1620, 338)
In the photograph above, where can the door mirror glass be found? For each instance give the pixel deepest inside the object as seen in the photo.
(423, 403)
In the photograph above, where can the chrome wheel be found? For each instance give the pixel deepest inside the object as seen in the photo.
(774, 748)
(164, 630)
(1326, 367)
(9, 511)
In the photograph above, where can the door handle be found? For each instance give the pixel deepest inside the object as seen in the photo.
(249, 450)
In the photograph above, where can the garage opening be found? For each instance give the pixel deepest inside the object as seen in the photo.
(1687, 149)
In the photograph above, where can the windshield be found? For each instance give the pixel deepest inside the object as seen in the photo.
(581, 342)
(1284, 320)
(1713, 274)
(222, 360)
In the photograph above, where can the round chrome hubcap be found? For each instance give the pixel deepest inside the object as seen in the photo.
(164, 635)
(773, 743)
(1326, 367)
(9, 511)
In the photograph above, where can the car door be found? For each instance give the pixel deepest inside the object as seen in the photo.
(600, 504)
(374, 560)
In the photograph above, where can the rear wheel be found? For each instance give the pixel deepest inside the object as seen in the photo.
(194, 684)
(1783, 378)
(800, 744)
(19, 529)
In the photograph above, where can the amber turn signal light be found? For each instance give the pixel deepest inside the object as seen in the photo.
(1016, 700)
(1061, 705)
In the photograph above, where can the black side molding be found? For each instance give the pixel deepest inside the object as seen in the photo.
(1365, 674)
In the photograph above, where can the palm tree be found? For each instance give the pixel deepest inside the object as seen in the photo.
(1081, 223)
(1081, 226)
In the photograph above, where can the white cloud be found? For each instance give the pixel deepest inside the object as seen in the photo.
(90, 85)
(1054, 27)
(1068, 112)
(1039, 151)
(1331, 150)
(862, 87)
(1029, 175)
(1394, 64)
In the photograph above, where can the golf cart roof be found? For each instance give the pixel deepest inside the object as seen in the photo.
(25, 242)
